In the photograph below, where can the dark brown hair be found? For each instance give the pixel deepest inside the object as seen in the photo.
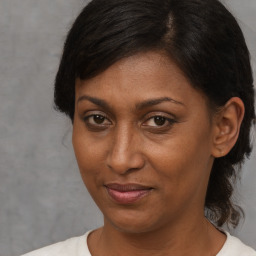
(204, 40)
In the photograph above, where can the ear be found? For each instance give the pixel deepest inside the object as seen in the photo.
(227, 123)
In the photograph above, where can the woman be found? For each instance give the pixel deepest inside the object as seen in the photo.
(160, 94)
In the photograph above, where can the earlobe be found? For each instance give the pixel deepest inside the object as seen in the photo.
(227, 125)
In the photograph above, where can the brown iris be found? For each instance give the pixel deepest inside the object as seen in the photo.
(98, 119)
(159, 120)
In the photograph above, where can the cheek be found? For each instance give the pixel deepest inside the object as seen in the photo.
(87, 153)
(183, 161)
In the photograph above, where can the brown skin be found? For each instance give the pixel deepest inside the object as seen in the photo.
(174, 157)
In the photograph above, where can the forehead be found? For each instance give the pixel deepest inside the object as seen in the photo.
(140, 77)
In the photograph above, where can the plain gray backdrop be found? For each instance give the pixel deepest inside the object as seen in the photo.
(42, 197)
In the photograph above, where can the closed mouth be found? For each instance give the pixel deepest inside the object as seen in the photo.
(127, 193)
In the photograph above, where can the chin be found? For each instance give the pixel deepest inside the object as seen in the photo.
(132, 223)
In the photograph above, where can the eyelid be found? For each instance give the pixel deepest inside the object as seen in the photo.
(91, 113)
(170, 119)
(155, 114)
(88, 116)
(100, 111)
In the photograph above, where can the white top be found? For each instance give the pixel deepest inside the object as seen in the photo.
(77, 246)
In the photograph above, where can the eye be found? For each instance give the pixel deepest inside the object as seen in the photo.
(159, 121)
(96, 120)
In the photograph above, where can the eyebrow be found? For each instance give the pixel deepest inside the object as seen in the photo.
(96, 101)
(153, 102)
(139, 106)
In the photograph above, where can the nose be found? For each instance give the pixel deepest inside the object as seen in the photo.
(125, 153)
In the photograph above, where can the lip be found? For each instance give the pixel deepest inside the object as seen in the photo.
(127, 193)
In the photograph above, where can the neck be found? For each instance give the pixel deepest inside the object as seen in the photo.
(191, 238)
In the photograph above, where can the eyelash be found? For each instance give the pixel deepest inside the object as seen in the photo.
(169, 121)
(96, 126)
(90, 125)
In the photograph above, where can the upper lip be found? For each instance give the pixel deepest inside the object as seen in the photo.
(127, 187)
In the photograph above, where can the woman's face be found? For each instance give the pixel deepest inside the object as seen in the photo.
(143, 137)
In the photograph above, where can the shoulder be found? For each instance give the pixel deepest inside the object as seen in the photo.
(74, 246)
(235, 247)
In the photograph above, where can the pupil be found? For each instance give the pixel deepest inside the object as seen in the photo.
(98, 119)
(159, 120)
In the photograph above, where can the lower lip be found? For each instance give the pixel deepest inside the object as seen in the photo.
(127, 197)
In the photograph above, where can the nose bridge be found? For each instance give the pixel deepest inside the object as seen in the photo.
(125, 151)
(124, 135)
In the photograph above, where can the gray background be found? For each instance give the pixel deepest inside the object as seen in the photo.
(42, 198)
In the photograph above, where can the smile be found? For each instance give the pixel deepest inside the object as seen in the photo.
(127, 193)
